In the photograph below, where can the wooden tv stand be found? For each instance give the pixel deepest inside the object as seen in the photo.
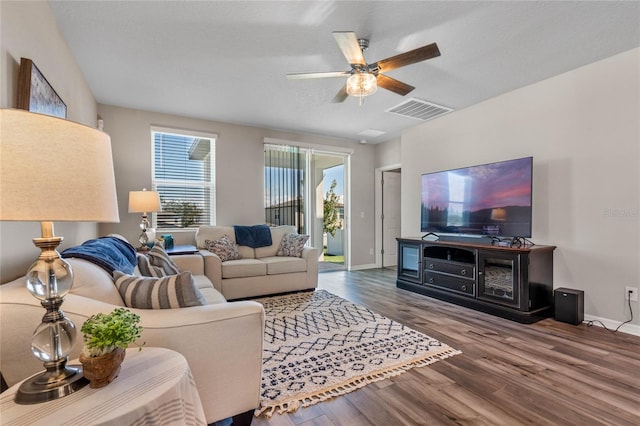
(510, 282)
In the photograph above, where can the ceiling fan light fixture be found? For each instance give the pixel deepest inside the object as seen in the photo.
(361, 84)
(364, 78)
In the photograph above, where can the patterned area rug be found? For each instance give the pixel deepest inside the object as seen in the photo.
(318, 345)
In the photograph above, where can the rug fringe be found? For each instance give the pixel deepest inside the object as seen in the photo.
(352, 385)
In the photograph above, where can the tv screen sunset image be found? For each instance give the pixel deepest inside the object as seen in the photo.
(489, 199)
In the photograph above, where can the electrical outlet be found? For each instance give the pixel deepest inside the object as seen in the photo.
(631, 293)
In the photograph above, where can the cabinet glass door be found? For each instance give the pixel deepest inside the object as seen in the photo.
(409, 261)
(498, 279)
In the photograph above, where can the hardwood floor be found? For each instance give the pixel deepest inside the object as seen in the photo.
(548, 373)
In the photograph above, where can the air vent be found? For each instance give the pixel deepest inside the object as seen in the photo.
(419, 109)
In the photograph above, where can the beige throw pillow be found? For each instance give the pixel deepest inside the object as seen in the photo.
(225, 248)
(292, 245)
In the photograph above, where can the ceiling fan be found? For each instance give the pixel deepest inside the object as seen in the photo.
(365, 78)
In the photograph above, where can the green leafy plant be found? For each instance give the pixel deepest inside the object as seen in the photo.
(104, 333)
(331, 215)
(188, 213)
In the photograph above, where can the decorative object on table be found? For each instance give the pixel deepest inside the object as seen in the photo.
(35, 94)
(168, 240)
(102, 370)
(318, 346)
(53, 170)
(106, 336)
(144, 202)
(151, 237)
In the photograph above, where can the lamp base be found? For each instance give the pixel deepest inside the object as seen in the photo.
(144, 239)
(50, 385)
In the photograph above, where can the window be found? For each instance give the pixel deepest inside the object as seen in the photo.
(184, 176)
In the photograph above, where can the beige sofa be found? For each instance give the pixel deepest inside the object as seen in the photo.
(222, 341)
(259, 271)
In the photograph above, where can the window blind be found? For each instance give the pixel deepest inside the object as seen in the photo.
(284, 186)
(183, 175)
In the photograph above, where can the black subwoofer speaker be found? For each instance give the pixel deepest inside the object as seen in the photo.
(569, 305)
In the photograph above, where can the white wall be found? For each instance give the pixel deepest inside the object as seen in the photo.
(388, 153)
(239, 171)
(28, 29)
(583, 130)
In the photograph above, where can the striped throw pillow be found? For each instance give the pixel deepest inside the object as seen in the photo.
(147, 269)
(170, 292)
(158, 257)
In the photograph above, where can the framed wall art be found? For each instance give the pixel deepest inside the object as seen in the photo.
(35, 94)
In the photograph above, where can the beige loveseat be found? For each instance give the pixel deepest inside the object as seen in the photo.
(222, 341)
(259, 271)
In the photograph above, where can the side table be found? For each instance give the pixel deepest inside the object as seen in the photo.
(181, 249)
(155, 386)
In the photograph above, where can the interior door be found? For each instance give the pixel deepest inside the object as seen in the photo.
(390, 217)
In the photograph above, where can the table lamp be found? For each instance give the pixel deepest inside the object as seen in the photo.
(144, 202)
(53, 170)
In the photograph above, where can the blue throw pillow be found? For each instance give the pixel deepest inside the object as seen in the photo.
(253, 236)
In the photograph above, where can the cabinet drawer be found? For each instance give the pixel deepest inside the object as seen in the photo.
(455, 268)
(452, 283)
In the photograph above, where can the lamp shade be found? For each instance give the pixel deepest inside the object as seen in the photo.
(144, 201)
(54, 170)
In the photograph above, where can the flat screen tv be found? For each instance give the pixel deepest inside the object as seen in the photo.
(486, 200)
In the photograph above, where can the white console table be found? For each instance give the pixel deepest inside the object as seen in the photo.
(155, 386)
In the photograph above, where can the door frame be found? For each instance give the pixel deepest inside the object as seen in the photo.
(378, 199)
(317, 194)
(314, 229)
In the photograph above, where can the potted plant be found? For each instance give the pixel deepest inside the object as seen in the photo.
(106, 336)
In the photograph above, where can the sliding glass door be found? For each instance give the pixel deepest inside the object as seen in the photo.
(306, 187)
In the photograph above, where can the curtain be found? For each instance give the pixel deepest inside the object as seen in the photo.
(284, 186)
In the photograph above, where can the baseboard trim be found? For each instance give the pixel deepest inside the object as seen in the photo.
(612, 325)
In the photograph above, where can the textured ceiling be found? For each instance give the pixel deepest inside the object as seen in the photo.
(227, 60)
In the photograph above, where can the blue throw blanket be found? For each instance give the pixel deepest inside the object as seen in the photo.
(110, 253)
(253, 236)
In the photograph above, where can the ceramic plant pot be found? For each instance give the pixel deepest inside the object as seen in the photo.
(102, 370)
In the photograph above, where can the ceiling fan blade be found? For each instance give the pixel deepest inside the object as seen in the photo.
(341, 96)
(411, 57)
(393, 85)
(302, 75)
(348, 44)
